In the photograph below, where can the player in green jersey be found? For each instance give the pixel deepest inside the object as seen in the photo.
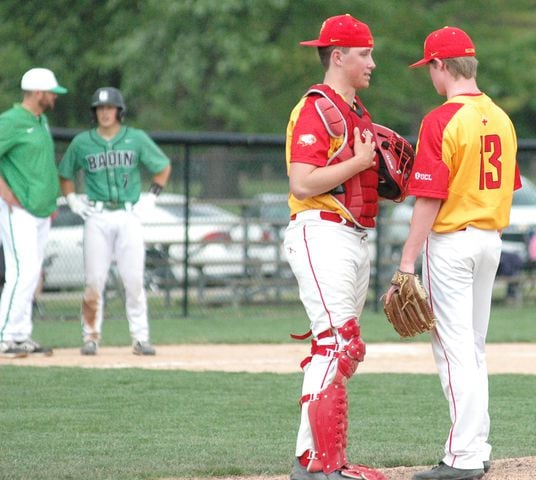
(111, 157)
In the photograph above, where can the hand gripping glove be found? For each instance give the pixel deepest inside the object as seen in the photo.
(79, 206)
(408, 308)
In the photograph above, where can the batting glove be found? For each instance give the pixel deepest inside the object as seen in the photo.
(79, 206)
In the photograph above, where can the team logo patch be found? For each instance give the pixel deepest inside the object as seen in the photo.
(307, 139)
(423, 176)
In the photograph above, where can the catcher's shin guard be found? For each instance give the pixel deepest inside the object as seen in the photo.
(328, 418)
(328, 410)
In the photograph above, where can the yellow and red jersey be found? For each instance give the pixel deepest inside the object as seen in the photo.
(475, 179)
(308, 141)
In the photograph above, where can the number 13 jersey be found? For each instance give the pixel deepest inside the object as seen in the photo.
(466, 155)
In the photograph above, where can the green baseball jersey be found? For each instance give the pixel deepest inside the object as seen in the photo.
(27, 161)
(112, 167)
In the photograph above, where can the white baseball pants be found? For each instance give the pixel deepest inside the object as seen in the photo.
(459, 271)
(332, 266)
(24, 238)
(114, 235)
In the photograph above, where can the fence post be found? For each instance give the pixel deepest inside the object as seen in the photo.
(187, 193)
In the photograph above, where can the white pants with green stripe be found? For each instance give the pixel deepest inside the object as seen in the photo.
(24, 237)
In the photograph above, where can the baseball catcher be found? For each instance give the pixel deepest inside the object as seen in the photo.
(406, 305)
(332, 165)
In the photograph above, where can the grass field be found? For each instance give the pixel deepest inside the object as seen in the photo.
(267, 324)
(74, 423)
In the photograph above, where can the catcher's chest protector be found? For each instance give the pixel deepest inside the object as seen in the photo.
(358, 196)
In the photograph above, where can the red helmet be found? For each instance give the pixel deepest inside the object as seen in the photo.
(396, 157)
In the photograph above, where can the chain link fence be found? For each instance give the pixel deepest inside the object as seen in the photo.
(216, 236)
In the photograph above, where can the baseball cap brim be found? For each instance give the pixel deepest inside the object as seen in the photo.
(420, 63)
(59, 90)
(314, 43)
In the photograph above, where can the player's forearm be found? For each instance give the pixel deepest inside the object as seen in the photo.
(161, 178)
(67, 186)
(3, 186)
(424, 214)
(308, 180)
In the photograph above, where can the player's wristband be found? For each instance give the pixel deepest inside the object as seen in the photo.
(156, 189)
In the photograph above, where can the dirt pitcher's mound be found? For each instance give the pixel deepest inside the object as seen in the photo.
(507, 469)
(504, 469)
(280, 358)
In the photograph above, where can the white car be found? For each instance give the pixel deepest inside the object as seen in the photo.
(522, 220)
(268, 217)
(164, 234)
(63, 266)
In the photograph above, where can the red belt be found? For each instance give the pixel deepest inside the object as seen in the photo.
(332, 217)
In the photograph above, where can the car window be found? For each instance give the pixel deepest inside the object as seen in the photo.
(271, 207)
(526, 195)
(275, 212)
(198, 212)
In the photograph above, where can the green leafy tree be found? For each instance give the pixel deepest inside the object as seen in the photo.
(236, 65)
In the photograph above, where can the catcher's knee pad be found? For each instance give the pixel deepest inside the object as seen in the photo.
(353, 351)
(348, 356)
(328, 418)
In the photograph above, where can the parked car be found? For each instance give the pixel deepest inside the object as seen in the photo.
(270, 209)
(164, 234)
(522, 220)
(63, 266)
(268, 217)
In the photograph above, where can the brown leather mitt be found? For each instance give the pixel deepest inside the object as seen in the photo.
(409, 309)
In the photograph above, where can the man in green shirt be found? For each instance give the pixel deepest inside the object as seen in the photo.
(29, 188)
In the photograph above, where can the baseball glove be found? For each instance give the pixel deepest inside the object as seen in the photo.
(408, 309)
(396, 158)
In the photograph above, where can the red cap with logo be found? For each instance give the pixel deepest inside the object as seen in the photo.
(342, 31)
(447, 42)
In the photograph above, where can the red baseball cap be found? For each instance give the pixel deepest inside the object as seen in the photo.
(447, 42)
(342, 31)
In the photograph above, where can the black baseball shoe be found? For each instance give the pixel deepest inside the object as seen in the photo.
(357, 472)
(90, 347)
(143, 348)
(444, 472)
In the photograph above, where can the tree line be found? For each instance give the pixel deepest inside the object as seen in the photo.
(236, 65)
